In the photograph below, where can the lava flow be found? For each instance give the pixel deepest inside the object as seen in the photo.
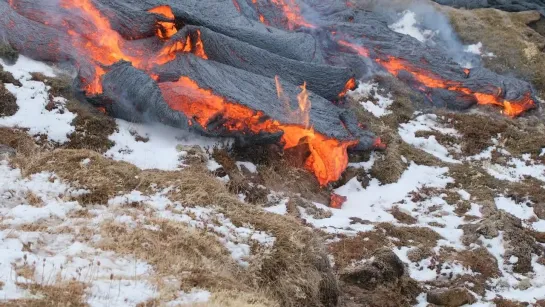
(292, 12)
(328, 158)
(97, 44)
(429, 80)
(510, 108)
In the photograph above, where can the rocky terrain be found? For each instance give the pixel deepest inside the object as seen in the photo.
(96, 211)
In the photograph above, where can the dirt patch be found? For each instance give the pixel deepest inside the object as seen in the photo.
(8, 102)
(67, 294)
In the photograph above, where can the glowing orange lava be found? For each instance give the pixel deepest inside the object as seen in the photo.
(165, 29)
(336, 201)
(328, 157)
(292, 12)
(350, 85)
(510, 108)
(362, 51)
(101, 46)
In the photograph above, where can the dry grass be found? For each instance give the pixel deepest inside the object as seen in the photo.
(8, 102)
(362, 246)
(295, 273)
(104, 178)
(92, 128)
(19, 140)
(58, 86)
(481, 261)
(70, 294)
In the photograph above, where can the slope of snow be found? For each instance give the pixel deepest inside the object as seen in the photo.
(427, 122)
(371, 100)
(159, 151)
(32, 98)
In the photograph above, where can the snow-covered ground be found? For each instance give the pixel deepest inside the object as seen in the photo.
(42, 237)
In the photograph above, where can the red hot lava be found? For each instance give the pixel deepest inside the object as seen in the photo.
(102, 46)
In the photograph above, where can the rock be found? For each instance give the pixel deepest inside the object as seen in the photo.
(382, 281)
(451, 297)
(6, 152)
(386, 267)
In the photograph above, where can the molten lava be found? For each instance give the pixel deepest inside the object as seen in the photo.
(328, 158)
(336, 201)
(349, 86)
(165, 29)
(292, 12)
(97, 44)
(510, 108)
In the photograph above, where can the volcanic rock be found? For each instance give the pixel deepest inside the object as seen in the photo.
(451, 297)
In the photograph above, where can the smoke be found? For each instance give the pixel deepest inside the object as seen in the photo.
(421, 20)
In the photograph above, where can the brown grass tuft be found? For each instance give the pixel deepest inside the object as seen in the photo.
(19, 140)
(69, 294)
(8, 102)
(103, 177)
(92, 128)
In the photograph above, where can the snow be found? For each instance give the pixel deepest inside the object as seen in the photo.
(517, 168)
(408, 25)
(32, 97)
(373, 202)
(379, 104)
(159, 152)
(521, 211)
(427, 122)
(248, 165)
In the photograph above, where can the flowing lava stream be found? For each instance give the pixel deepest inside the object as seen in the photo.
(328, 157)
(101, 46)
(429, 80)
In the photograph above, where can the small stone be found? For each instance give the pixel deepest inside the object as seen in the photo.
(6, 152)
(451, 297)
